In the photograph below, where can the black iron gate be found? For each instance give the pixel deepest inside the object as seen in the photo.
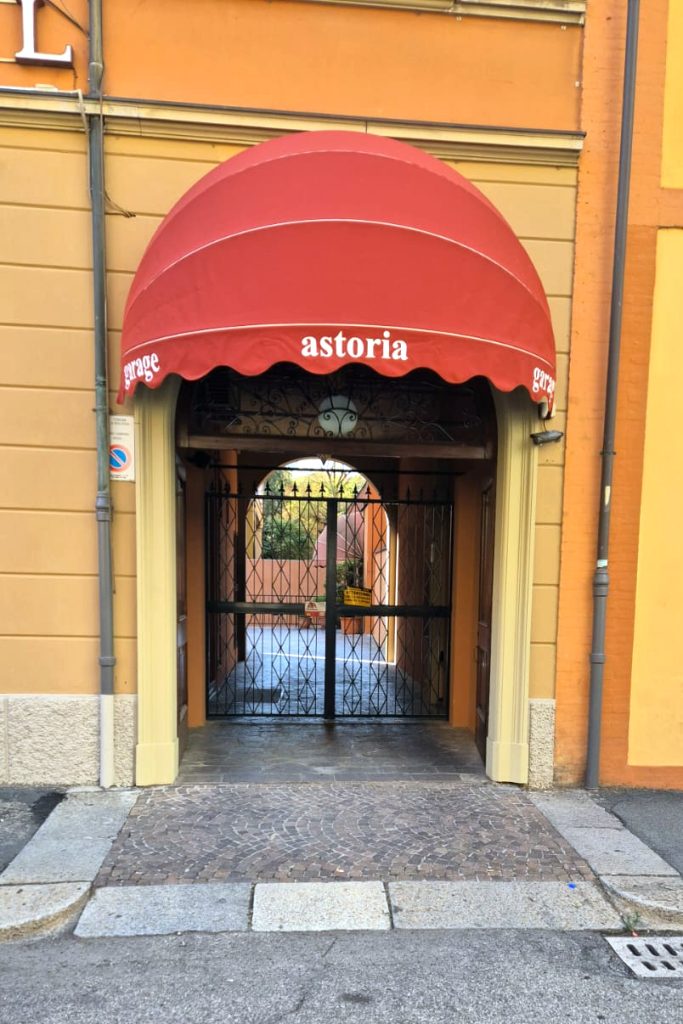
(327, 606)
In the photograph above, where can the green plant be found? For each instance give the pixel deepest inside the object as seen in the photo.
(632, 921)
(349, 574)
(286, 539)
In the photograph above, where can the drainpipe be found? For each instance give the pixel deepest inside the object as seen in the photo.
(103, 506)
(601, 577)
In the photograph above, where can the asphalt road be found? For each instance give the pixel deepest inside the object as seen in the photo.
(426, 977)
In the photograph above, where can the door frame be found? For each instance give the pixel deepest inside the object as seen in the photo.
(487, 525)
(507, 746)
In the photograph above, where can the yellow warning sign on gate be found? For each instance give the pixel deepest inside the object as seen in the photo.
(360, 596)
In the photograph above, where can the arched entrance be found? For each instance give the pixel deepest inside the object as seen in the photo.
(506, 748)
(334, 596)
(358, 258)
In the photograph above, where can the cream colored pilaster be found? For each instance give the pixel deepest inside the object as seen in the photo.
(507, 746)
(156, 760)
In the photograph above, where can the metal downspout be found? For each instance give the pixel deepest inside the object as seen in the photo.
(601, 577)
(103, 506)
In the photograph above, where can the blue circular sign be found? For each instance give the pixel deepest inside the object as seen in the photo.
(119, 458)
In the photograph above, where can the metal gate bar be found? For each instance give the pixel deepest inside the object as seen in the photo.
(331, 611)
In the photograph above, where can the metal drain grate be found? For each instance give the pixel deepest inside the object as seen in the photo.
(658, 957)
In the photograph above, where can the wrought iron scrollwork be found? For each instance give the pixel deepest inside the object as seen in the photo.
(353, 402)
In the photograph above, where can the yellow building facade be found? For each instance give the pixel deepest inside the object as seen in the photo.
(641, 732)
(493, 89)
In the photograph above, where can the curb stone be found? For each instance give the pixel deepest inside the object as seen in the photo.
(345, 906)
(31, 906)
(578, 906)
(31, 910)
(49, 881)
(654, 896)
(166, 910)
(655, 902)
(321, 907)
(72, 843)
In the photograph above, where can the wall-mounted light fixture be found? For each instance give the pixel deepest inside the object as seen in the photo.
(338, 415)
(547, 437)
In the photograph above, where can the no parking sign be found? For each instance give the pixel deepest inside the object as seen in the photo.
(121, 448)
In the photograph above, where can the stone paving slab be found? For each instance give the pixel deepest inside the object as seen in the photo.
(345, 906)
(290, 774)
(319, 907)
(165, 910)
(573, 809)
(655, 816)
(50, 860)
(23, 809)
(338, 831)
(599, 836)
(28, 909)
(96, 815)
(555, 905)
(644, 887)
(616, 852)
(313, 751)
(74, 841)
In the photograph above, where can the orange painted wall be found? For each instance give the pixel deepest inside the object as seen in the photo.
(323, 58)
(54, 31)
(650, 206)
(345, 60)
(596, 204)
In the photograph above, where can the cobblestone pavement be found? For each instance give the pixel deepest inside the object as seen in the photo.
(327, 831)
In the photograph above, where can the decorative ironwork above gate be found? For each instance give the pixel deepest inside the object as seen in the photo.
(354, 402)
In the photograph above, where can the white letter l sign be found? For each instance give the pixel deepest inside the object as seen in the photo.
(28, 53)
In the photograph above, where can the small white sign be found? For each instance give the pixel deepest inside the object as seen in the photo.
(121, 448)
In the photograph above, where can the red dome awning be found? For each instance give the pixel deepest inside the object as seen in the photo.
(327, 248)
